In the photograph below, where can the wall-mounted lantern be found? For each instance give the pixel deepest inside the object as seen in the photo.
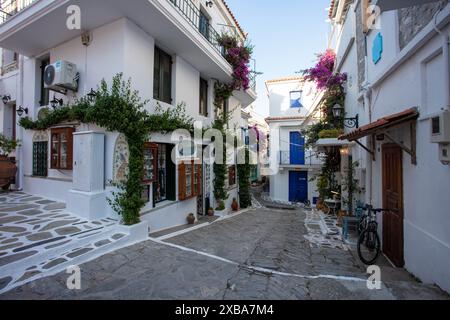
(56, 102)
(209, 4)
(92, 95)
(6, 98)
(21, 111)
(338, 110)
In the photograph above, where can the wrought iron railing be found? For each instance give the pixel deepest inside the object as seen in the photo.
(9, 8)
(310, 159)
(199, 21)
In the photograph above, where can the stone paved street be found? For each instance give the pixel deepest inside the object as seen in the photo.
(260, 254)
(37, 235)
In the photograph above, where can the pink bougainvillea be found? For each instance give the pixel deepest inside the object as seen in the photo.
(239, 57)
(323, 72)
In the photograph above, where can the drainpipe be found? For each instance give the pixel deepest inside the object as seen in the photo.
(446, 48)
(20, 131)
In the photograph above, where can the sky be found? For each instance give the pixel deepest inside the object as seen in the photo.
(287, 35)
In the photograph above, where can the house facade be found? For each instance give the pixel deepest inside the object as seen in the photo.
(293, 106)
(168, 49)
(398, 85)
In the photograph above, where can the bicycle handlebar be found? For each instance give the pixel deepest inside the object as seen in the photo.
(370, 208)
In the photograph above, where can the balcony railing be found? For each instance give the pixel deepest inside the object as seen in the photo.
(198, 20)
(9, 8)
(310, 159)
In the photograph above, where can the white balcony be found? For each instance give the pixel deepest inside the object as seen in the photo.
(41, 24)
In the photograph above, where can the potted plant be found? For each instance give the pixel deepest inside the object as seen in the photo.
(210, 212)
(235, 205)
(191, 218)
(221, 206)
(8, 169)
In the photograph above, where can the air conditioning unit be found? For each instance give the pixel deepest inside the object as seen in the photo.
(61, 76)
(440, 127)
(444, 153)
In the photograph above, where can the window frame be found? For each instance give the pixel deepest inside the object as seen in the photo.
(69, 162)
(204, 24)
(291, 100)
(38, 161)
(153, 148)
(232, 181)
(195, 182)
(160, 58)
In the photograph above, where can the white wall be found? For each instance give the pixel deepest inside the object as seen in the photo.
(279, 98)
(420, 81)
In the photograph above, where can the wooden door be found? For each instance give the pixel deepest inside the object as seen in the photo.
(393, 199)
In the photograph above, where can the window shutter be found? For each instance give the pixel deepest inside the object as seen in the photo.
(69, 132)
(199, 180)
(182, 181)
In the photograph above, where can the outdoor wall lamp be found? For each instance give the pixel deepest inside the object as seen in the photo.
(6, 98)
(21, 111)
(348, 122)
(209, 4)
(55, 102)
(345, 151)
(92, 95)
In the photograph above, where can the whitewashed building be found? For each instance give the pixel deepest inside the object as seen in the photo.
(399, 86)
(293, 106)
(167, 47)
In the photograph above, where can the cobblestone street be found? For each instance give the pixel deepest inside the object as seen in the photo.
(260, 254)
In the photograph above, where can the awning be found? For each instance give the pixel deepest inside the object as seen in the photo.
(334, 142)
(382, 124)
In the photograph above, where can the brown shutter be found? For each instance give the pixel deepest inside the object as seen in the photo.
(199, 179)
(181, 181)
(69, 133)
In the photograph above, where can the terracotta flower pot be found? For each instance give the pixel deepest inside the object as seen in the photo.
(8, 171)
(210, 212)
(235, 205)
(191, 218)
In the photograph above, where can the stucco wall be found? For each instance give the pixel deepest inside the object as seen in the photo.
(413, 19)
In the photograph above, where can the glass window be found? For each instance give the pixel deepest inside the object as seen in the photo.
(204, 25)
(61, 148)
(232, 175)
(161, 184)
(296, 99)
(162, 76)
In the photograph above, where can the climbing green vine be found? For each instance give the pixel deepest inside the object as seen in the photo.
(119, 108)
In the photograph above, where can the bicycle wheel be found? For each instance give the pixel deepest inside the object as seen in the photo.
(369, 247)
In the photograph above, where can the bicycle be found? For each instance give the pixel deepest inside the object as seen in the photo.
(369, 245)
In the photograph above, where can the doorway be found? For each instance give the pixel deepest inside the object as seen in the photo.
(298, 186)
(393, 199)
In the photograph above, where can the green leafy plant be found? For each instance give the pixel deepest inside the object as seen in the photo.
(119, 108)
(350, 185)
(7, 145)
(330, 133)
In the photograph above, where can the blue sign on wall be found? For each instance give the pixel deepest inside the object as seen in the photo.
(377, 48)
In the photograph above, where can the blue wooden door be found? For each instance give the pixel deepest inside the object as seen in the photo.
(297, 149)
(298, 186)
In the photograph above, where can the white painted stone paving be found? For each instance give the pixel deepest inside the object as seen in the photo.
(323, 231)
(38, 237)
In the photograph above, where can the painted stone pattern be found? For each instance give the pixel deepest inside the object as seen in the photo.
(121, 159)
